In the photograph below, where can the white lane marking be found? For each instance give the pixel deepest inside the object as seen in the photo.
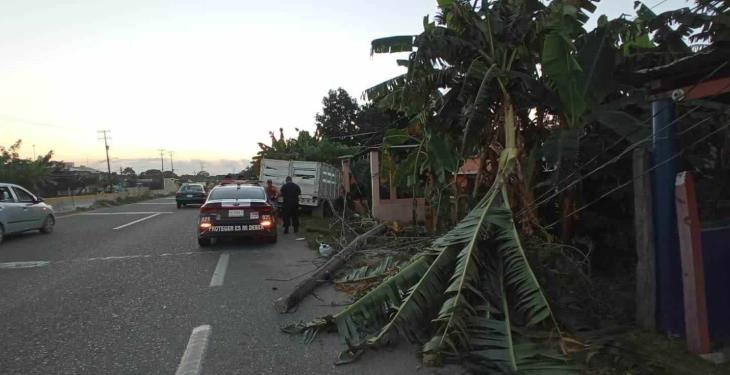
(44, 263)
(113, 213)
(22, 265)
(136, 221)
(191, 362)
(125, 257)
(220, 270)
(156, 203)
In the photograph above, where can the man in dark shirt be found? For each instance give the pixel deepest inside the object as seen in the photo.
(290, 192)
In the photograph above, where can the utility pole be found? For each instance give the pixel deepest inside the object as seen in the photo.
(162, 160)
(104, 134)
(33, 151)
(172, 166)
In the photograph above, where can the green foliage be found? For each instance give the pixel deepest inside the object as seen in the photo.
(501, 79)
(128, 171)
(304, 147)
(369, 272)
(488, 296)
(338, 117)
(32, 174)
(369, 314)
(393, 44)
(413, 317)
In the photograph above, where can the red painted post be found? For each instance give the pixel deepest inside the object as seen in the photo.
(693, 275)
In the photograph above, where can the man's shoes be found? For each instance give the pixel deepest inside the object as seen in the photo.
(286, 230)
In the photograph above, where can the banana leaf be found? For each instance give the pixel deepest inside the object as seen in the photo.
(369, 314)
(392, 44)
(369, 272)
(412, 318)
(451, 335)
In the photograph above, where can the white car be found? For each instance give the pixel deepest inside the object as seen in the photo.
(21, 211)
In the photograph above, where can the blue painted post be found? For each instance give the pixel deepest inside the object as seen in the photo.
(670, 317)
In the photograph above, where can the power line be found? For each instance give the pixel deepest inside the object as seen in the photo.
(623, 185)
(542, 199)
(658, 4)
(620, 140)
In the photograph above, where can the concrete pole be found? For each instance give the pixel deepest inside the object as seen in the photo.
(644, 228)
(668, 266)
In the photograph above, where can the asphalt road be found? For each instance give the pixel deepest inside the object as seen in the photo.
(109, 294)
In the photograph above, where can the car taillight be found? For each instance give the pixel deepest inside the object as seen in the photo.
(265, 223)
(266, 208)
(209, 209)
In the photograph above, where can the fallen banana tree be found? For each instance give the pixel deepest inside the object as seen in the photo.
(471, 298)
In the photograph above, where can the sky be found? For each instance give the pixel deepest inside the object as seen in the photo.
(206, 79)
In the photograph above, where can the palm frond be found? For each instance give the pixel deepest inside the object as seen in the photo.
(392, 44)
(384, 88)
(369, 272)
(498, 350)
(527, 297)
(463, 289)
(463, 232)
(369, 314)
(412, 318)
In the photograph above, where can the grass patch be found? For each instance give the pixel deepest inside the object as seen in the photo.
(316, 229)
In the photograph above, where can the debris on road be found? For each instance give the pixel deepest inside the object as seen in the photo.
(325, 271)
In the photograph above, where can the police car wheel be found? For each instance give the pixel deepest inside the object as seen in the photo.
(203, 242)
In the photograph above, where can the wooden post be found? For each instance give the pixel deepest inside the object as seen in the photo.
(346, 175)
(375, 182)
(693, 275)
(644, 229)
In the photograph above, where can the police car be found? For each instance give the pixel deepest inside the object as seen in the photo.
(236, 210)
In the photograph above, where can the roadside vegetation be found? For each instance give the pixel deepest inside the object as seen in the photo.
(536, 254)
(33, 174)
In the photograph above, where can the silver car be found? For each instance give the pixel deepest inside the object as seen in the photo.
(22, 211)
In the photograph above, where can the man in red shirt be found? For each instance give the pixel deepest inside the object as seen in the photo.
(271, 193)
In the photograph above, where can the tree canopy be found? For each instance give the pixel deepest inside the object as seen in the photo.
(32, 174)
(338, 119)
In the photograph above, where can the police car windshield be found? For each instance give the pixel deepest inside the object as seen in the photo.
(243, 192)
